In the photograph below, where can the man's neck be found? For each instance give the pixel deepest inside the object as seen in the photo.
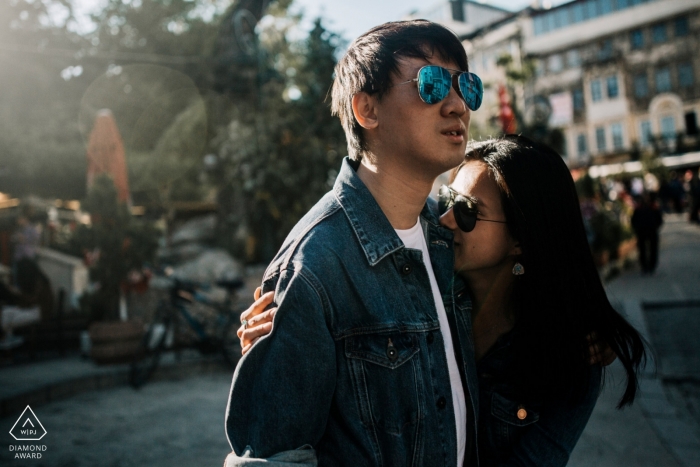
(400, 193)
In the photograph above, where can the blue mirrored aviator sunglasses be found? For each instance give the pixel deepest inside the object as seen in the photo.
(434, 83)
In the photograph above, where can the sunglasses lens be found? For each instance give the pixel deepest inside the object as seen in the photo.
(444, 200)
(434, 83)
(465, 216)
(472, 90)
(463, 209)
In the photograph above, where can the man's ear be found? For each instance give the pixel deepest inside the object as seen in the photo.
(363, 107)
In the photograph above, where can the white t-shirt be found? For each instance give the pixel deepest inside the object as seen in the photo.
(413, 238)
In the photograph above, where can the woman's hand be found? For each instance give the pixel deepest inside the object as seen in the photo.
(258, 321)
(599, 351)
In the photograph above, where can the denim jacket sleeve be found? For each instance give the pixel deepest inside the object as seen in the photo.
(305, 456)
(550, 441)
(283, 388)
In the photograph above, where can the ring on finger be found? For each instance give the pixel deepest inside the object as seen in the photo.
(245, 324)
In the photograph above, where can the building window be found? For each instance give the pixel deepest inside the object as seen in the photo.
(668, 128)
(596, 91)
(680, 25)
(592, 9)
(685, 75)
(539, 68)
(539, 25)
(663, 80)
(562, 16)
(613, 90)
(641, 88)
(579, 13)
(616, 130)
(691, 124)
(549, 19)
(458, 11)
(622, 4)
(645, 133)
(581, 144)
(573, 58)
(658, 33)
(605, 7)
(637, 39)
(556, 64)
(578, 99)
(606, 49)
(600, 138)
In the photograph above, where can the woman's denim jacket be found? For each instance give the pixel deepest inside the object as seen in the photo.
(355, 365)
(513, 432)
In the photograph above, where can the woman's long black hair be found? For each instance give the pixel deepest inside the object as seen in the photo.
(560, 298)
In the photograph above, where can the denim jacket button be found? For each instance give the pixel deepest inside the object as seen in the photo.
(391, 351)
(522, 413)
(441, 402)
(406, 269)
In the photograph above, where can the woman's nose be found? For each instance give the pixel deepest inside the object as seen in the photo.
(448, 220)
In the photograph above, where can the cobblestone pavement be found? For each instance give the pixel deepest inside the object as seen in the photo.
(173, 424)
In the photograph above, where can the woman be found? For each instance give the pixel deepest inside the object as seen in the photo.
(535, 300)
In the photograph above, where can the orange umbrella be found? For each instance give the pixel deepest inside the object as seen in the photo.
(105, 154)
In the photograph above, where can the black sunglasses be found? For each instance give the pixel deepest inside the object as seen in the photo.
(464, 208)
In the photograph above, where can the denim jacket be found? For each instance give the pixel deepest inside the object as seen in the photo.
(515, 433)
(355, 365)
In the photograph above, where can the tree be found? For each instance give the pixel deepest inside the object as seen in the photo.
(280, 159)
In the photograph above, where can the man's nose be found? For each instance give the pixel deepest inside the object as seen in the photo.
(454, 104)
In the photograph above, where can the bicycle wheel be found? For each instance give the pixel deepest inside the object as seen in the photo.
(154, 341)
(230, 345)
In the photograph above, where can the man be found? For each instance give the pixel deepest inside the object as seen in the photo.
(368, 363)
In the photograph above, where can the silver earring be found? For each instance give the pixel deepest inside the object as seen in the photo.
(518, 269)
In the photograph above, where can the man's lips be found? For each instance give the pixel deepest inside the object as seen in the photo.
(454, 134)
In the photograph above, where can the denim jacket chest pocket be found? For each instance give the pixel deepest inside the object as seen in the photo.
(386, 373)
(508, 419)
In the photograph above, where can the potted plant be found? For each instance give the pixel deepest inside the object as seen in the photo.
(114, 245)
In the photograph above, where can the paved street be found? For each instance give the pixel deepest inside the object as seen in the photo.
(173, 424)
(662, 427)
(180, 423)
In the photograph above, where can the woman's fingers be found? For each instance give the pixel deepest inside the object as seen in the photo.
(247, 347)
(251, 334)
(257, 293)
(258, 306)
(256, 326)
(599, 351)
(264, 317)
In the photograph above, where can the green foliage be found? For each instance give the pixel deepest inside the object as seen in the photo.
(280, 159)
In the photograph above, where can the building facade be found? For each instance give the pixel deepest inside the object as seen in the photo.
(617, 77)
(624, 71)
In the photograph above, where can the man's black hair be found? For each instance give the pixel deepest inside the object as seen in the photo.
(372, 58)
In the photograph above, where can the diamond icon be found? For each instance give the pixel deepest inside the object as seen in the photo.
(28, 427)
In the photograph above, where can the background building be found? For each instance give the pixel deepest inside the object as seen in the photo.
(615, 77)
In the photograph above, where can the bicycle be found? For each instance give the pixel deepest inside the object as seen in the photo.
(210, 336)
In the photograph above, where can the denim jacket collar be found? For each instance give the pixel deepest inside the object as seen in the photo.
(374, 231)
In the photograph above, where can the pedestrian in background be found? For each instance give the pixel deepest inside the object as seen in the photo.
(646, 222)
